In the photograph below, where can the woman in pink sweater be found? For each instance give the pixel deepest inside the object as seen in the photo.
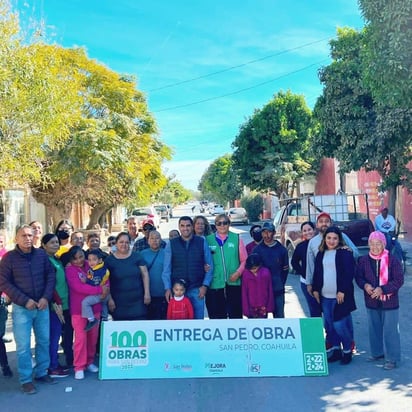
(84, 347)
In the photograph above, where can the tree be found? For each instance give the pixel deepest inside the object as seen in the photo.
(173, 193)
(354, 129)
(388, 51)
(112, 155)
(253, 203)
(220, 181)
(39, 101)
(271, 149)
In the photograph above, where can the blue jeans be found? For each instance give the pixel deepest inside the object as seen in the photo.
(279, 299)
(23, 322)
(55, 333)
(340, 331)
(384, 338)
(313, 305)
(197, 303)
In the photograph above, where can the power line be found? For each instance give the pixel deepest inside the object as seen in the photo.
(237, 66)
(240, 90)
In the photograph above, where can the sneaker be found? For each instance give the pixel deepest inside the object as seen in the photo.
(91, 324)
(58, 373)
(46, 379)
(7, 373)
(389, 365)
(93, 368)
(28, 388)
(336, 356)
(79, 375)
(374, 358)
(354, 349)
(346, 358)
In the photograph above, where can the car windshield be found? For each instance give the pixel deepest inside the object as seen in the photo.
(141, 211)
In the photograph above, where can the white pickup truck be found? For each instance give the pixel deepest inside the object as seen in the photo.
(349, 212)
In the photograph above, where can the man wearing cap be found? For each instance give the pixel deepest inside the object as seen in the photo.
(385, 222)
(275, 257)
(143, 243)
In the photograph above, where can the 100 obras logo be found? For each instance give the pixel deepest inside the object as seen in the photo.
(128, 349)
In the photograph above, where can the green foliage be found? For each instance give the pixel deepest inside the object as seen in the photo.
(71, 128)
(220, 181)
(387, 53)
(39, 101)
(271, 149)
(253, 203)
(352, 127)
(112, 155)
(173, 193)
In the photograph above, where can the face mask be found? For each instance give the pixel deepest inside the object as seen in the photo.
(113, 248)
(257, 236)
(62, 234)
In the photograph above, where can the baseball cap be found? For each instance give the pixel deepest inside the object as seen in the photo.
(268, 226)
(148, 222)
(324, 214)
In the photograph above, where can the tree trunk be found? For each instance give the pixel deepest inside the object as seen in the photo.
(392, 200)
(97, 212)
(55, 213)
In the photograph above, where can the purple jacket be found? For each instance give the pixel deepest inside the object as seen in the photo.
(25, 276)
(366, 273)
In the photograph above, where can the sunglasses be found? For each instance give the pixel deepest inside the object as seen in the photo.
(148, 228)
(222, 223)
(111, 243)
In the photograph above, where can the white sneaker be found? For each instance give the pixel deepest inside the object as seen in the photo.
(79, 375)
(93, 368)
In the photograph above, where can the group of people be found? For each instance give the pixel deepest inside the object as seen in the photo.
(328, 263)
(63, 291)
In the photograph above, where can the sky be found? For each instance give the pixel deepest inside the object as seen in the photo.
(204, 66)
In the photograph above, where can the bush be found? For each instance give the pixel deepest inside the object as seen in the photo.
(253, 204)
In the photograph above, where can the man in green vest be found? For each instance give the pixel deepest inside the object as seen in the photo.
(224, 297)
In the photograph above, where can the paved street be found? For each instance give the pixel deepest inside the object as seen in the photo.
(360, 386)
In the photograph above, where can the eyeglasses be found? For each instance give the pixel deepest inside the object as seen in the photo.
(222, 223)
(111, 243)
(147, 228)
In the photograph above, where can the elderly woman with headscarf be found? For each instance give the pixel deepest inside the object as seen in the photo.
(380, 276)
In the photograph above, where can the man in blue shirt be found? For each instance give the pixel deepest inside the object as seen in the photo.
(188, 257)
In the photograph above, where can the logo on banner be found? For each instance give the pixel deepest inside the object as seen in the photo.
(128, 349)
(315, 363)
(215, 368)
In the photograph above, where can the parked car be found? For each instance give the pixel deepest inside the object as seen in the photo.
(238, 215)
(147, 212)
(163, 212)
(216, 210)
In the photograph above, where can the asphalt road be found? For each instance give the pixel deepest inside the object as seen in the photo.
(360, 386)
